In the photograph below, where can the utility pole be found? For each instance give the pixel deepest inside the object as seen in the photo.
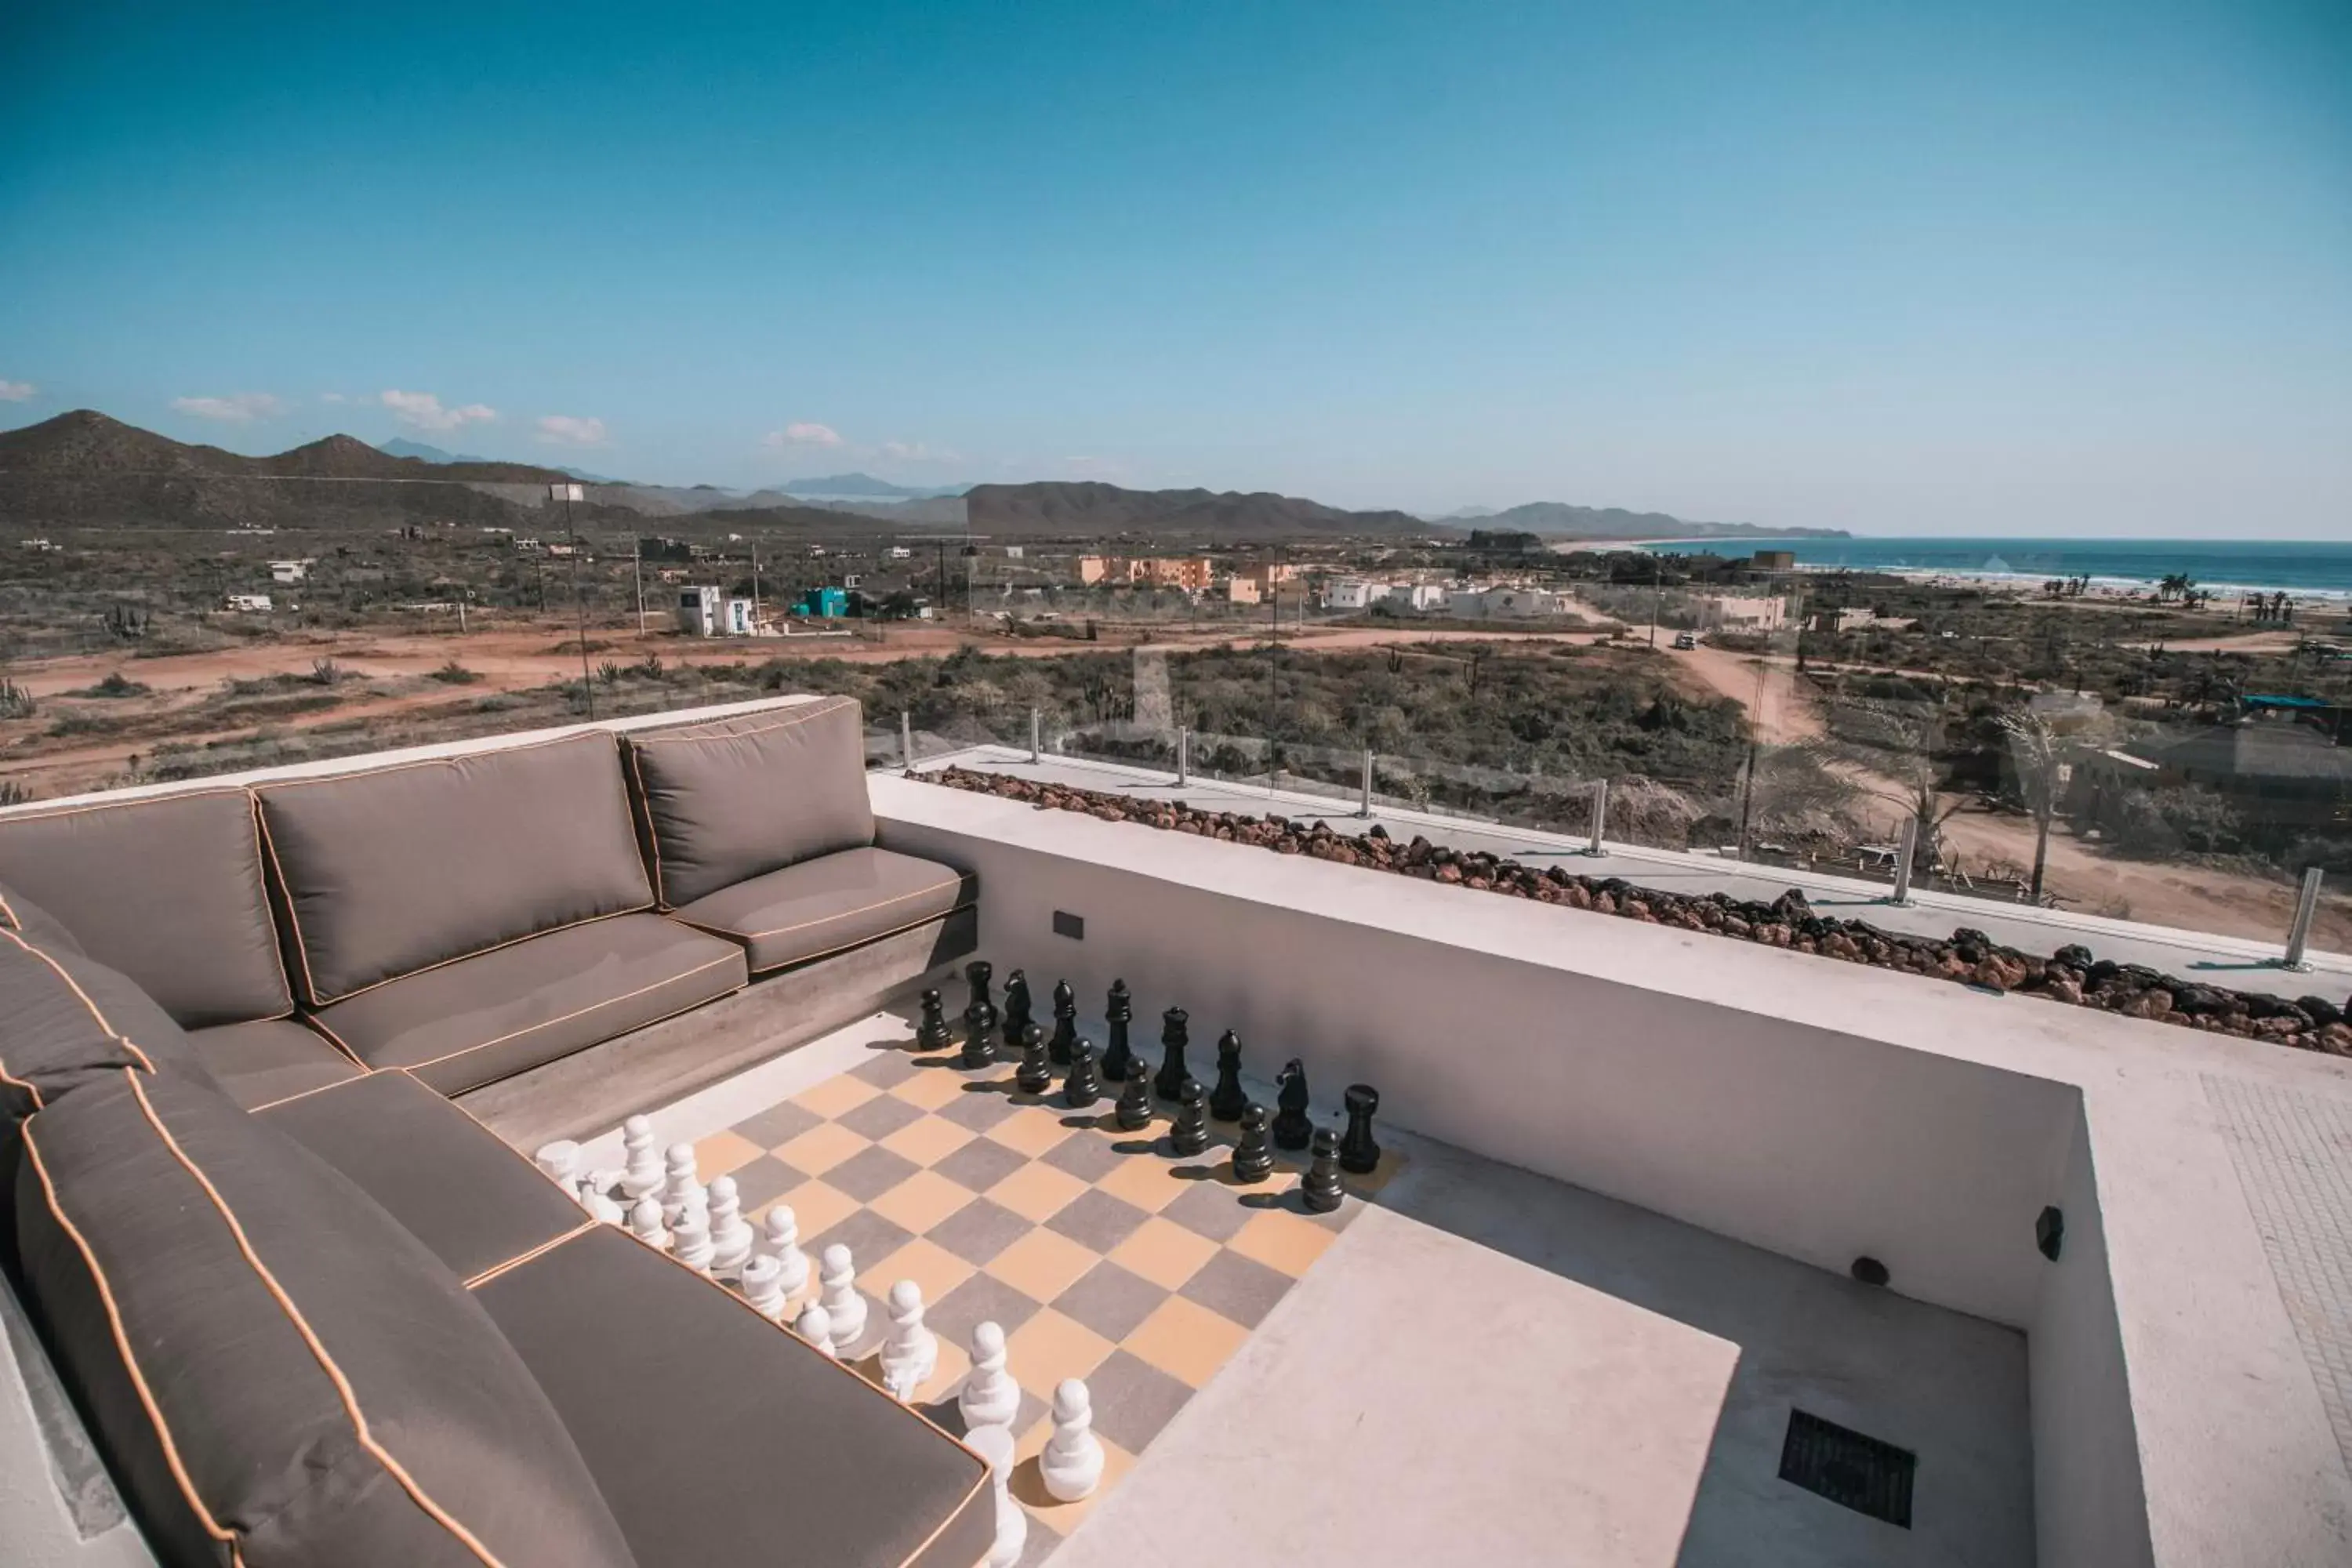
(755, 587)
(579, 603)
(638, 564)
(1657, 593)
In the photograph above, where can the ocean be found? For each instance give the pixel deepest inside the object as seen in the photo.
(2222, 565)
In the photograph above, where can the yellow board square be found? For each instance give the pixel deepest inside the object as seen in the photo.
(1028, 1483)
(1037, 1193)
(1050, 1347)
(934, 1269)
(1164, 1253)
(1042, 1265)
(921, 1201)
(928, 1140)
(724, 1151)
(1283, 1241)
(1186, 1341)
(930, 1088)
(820, 1148)
(816, 1207)
(1032, 1129)
(1148, 1182)
(835, 1095)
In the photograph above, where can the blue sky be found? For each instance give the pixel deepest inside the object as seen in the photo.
(1977, 268)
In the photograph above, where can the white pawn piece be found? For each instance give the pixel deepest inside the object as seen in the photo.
(591, 1198)
(815, 1326)
(561, 1161)
(731, 1233)
(643, 1175)
(680, 1191)
(1072, 1464)
(911, 1354)
(645, 1224)
(760, 1289)
(994, 1444)
(990, 1398)
(843, 1304)
(784, 1241)
(691, 1239)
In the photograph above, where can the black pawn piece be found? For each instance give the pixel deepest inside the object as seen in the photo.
(1135, 1101)
(1321, 1188)
(1036, 1075)
(1253, 1155)
(1117, 1061)
(933, 1034)
(1190, 1134)
(1225, 1102)
(1173, 1038)
(1016, 1008)
(1066, 1024)
(1082, 1088)
(1291, 1127)
(1358, 1153)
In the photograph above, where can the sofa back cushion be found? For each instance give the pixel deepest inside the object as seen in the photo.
(35, 924)
(67, 1020)
(735, 799)
(398, 868)
(276, 1372)
(168, 889)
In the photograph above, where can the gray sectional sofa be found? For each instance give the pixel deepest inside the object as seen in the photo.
(308, 1308)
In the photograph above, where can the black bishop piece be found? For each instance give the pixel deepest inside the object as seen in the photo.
(1117, 1061)
(1066, 1024)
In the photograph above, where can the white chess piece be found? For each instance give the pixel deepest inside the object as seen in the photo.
(561, 1161)
(680, 1190)
(761, 1289)
(643, 1175)
(691, 1239)
(1072, 1464)
(784, 1241)
(731, 1233)
(990, 1398)
(645, 1224)
(911, 1354)
(815, 1326)
(994, 1444)
(843, 1304)
(591, 1198)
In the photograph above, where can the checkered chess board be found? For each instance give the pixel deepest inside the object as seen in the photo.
(1100, 1253)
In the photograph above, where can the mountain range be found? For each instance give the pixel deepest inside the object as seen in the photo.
(402, 446)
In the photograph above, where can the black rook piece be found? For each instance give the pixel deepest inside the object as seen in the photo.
(1081, 1088)
(1172, 1077)
(1035, 1076)
(932, 1034)
(1135, 1101)
(1291, 1127)
(1252, 1156)
(978, 1008)
(1227, 1100)
(1191, 1134)
(1358, 1153)
(1117, 1060)
(1016, 1008)
(1321, 1188)
(1065, 1023)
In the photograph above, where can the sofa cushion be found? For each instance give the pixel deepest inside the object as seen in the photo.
(768, 1450)
(168, 889)
(463, 1025)
(262, 1062)
(825, 905)
(442, 1175)
(726, 801)
(67, 1020)
(35, 924)
(276, 1371)
(401, 868)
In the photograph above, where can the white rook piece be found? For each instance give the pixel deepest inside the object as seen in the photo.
(691, 1238)
(815, 1326)
(912, 1351)
(1072, 1464)
(761, 1289)
(784, 1241)
(680, 1191)
(994, 1444)
(643, 1175)
(990, 1396)
(645, 1224)
(843, 1304)
(731, 1233)
(560, 1159)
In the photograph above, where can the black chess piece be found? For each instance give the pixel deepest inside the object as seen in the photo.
(1016, 1008)
(1066, 1024)
(1135, 1101)
(1253, 1155)
(1117, 1061)
(1082, 1088)
(1291, 1127)
(1173, 1038)
(1358, 1153)
(1190, 1135)
(933, 1034)
(979, 1012)
(1036, 1075)
(1226, 1102)
(1321, 1188)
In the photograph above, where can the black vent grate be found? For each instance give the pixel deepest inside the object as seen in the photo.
(1846, 1467)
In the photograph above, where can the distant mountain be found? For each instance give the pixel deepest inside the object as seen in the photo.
(1092, 506)
(1557, 520)
(865, 487)
(402, 446)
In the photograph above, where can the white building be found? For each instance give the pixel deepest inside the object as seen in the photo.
(1742, 611)
(741, 620)
(249, 604)
(1502, 603)
(1416, 595)
(1347, 593)
(697, 612)
(289, 570)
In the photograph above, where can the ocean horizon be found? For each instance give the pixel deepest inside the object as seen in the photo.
(2221, 565)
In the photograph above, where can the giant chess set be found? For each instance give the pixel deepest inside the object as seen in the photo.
(1071, 1249)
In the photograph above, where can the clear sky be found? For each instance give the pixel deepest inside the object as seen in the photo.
(1972, 268)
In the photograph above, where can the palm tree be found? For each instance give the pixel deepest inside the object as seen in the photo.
(2039, 759)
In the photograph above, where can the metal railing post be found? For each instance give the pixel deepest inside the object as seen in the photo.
(1183, 754)
(1364, 808)
(906, 740)
(1036, 733)
(2298, 936)
(1907, 846)
(1599, 815)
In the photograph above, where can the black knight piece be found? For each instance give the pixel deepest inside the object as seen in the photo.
(1117, 1061)
(1066, 1024)
(1291, 1127)
(1190, 1135)
(1358, 1153)
(1253, 1155)
(1016, 1008)
(1226, 1102)
(1036, 1075)
(1321, 1189)
(1173, 1038)
(1082, 1088)
(1135, 1101)
(932, 1033)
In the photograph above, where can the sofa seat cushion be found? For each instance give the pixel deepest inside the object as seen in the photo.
(168, 889)
(767, 1450)
(725, 801)
(272, 1060)
(276, 1371)
(463, 1025)
(833, 902)
(446, 1178)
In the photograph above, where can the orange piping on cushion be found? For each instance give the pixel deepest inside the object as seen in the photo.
(714, 728)
(293, 921)
(520, 1258)
(110, 1031)
(494, 947)
(642, 807)
(204, 793)
(26, 1084)
(276, 948)
(846, 915)
(577, 1012)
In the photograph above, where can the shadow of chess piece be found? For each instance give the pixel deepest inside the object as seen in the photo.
(1117, 1061)
(1253, 1155)
(1036, 1075)
(1066, 1024)
(1291, 1127)
(1321, 1189)
(1358, 1153)
(1173, 1038)
(979, 1016)
(1226, 1102)
(1081, 1088)
(1016, 1008)
(932, 1034)
(1135, 1101)
(1190, 1135)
